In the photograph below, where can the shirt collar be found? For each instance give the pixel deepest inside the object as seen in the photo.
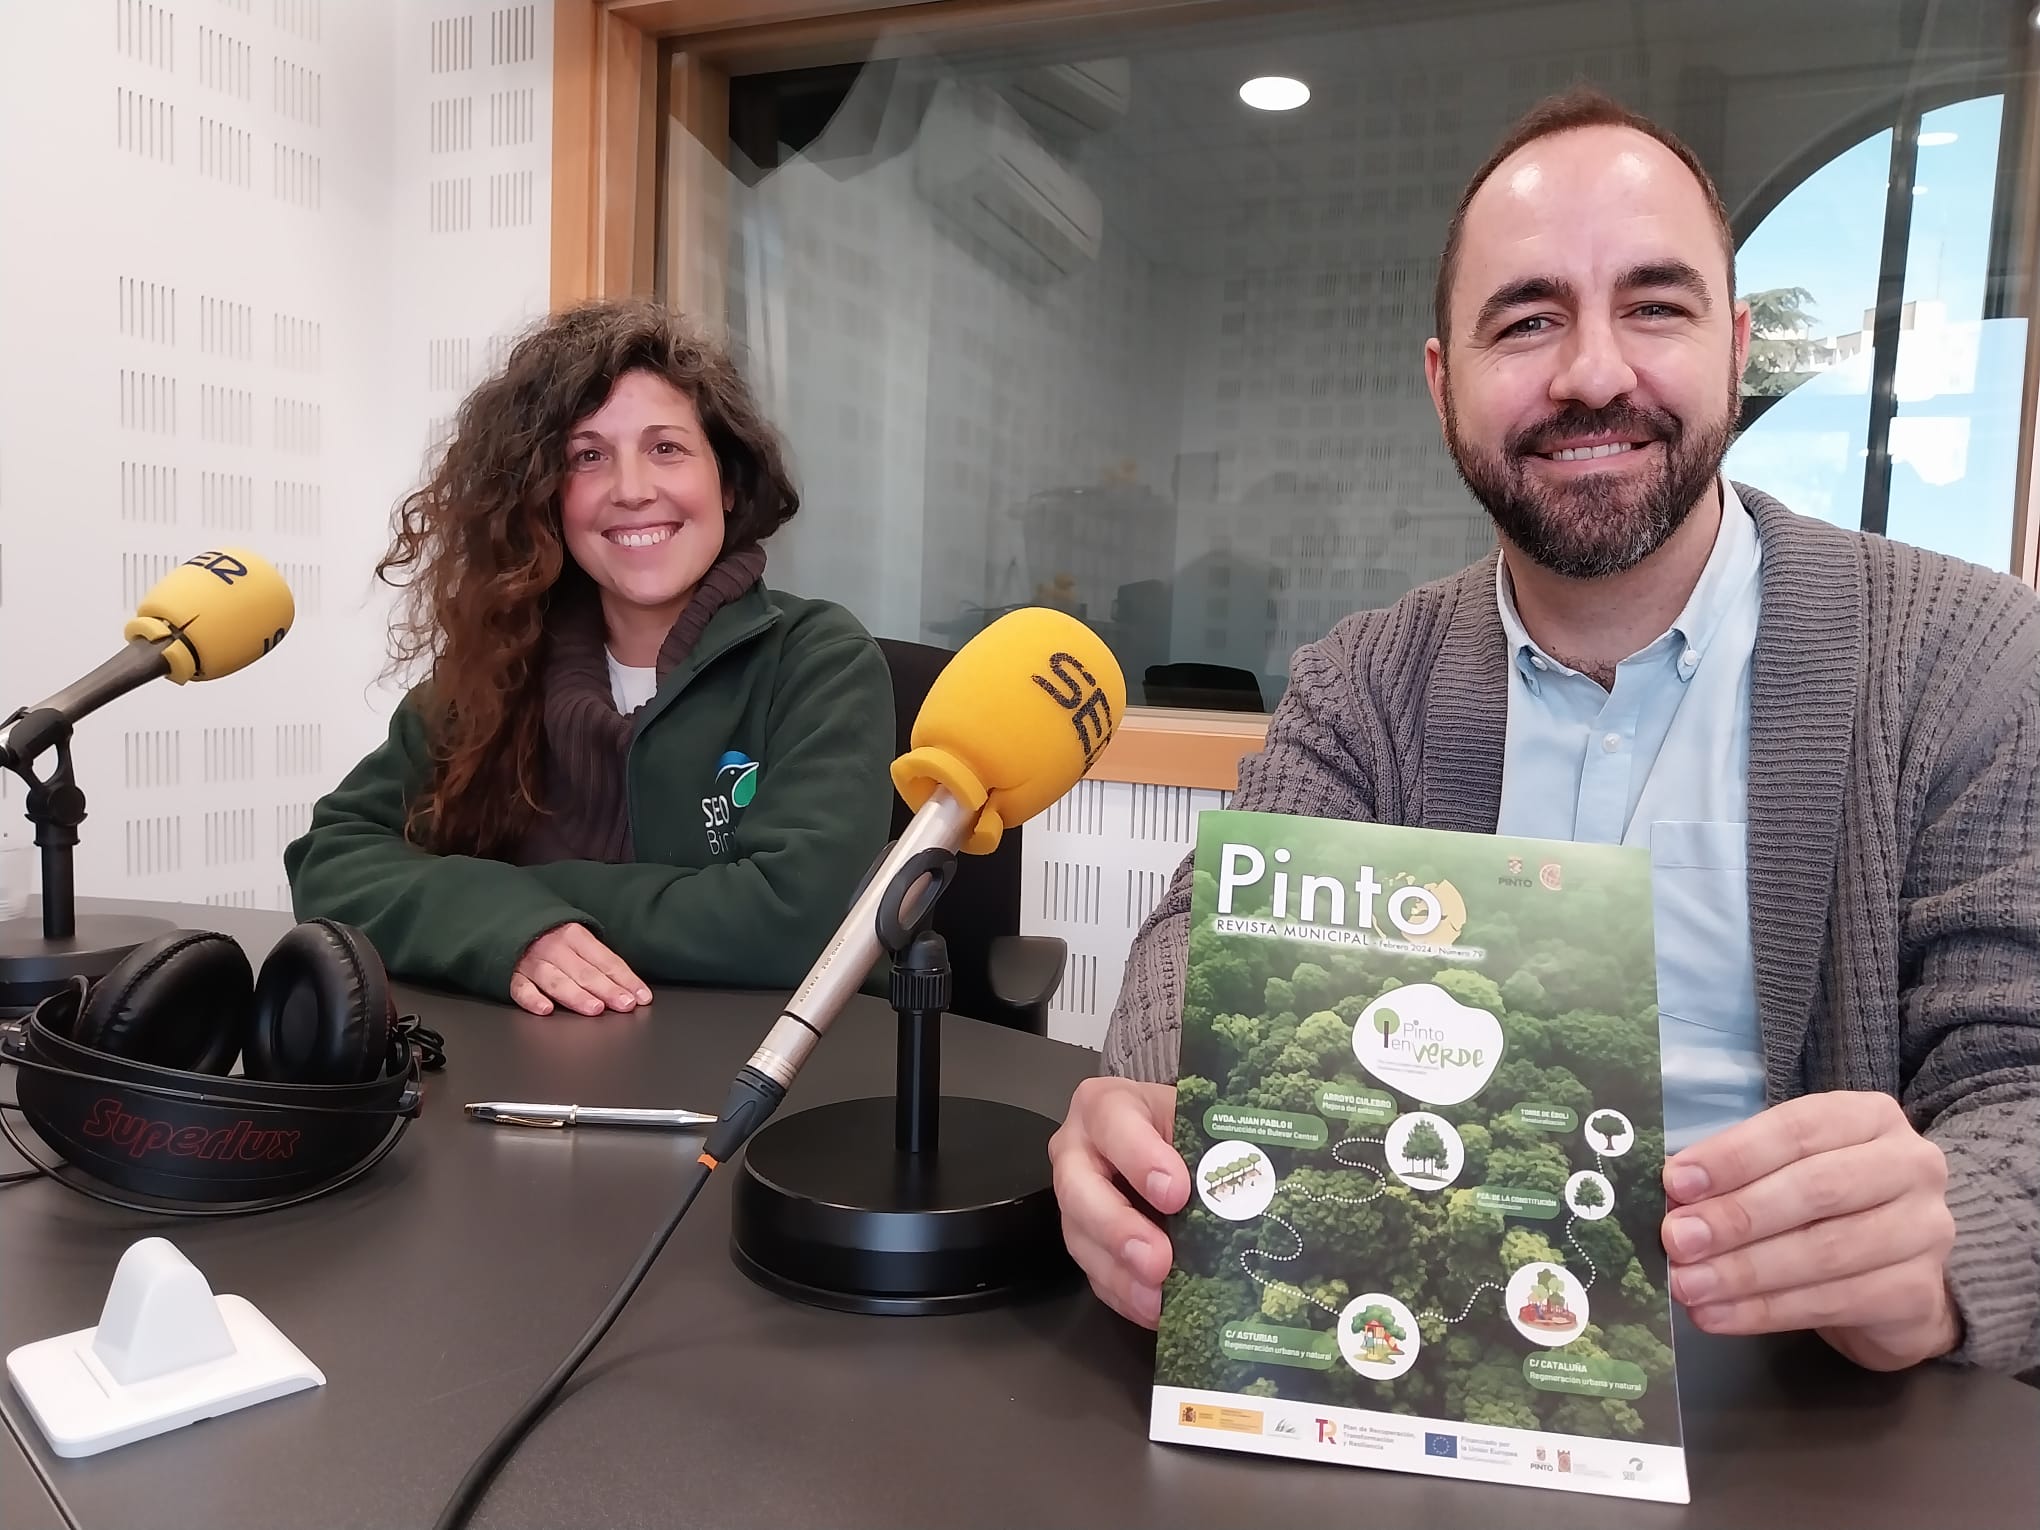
(1730, 567)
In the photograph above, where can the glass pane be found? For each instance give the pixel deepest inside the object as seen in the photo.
(1955, 437)
(1809, 273)
(1064, 320)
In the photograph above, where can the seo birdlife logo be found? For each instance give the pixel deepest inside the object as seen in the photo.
(736, 787)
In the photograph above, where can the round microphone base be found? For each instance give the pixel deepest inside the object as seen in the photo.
(830, 1212)
(32, 968)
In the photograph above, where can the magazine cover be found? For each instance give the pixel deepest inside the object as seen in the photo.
(1419, 1100)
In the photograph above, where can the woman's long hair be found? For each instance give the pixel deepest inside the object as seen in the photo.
(479, 557)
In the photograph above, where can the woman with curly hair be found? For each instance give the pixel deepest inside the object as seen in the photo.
(629, 761)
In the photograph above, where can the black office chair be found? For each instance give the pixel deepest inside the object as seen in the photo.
(1210, 687)
(1000, 975)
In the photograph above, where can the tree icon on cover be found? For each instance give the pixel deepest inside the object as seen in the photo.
(1589, 1194)
(1606, 1126)
(1381, 1335)
(1388, 1022)
(1423, 1147)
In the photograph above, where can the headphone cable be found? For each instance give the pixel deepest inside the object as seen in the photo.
(17, 1176)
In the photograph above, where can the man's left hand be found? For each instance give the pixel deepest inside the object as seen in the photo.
(1825, 1212)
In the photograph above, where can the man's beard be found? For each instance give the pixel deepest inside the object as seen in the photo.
(1601, 523)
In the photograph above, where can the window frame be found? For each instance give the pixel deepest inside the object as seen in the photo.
(2002, 296)
(621, 68)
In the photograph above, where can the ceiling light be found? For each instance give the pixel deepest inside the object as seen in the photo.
(1274, 93)
(1936, 140)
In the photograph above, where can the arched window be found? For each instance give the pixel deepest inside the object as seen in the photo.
(1883, 386)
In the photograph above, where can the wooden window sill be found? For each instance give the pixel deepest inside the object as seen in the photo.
(1160, 746)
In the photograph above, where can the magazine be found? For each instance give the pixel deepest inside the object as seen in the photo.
(1419, 1099)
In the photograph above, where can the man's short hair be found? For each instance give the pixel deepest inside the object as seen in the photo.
(1583, 106)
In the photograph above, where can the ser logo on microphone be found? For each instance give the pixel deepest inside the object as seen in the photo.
(1076, 691)
(224, 567)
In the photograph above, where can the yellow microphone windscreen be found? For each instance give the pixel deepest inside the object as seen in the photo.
(225, 609)
(1015, 720)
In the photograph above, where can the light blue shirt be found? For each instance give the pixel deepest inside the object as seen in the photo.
(1662, 761)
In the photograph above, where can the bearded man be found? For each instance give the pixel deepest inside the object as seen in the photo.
(1829, 743)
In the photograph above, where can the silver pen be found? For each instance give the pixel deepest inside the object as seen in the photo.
(517, 1113)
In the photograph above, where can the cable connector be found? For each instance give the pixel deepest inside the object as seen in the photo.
(752, 1099)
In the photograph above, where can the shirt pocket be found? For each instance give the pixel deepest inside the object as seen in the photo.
(1700, 889)
(1695, 846)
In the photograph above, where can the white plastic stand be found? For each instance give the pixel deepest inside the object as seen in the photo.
(166, 1353)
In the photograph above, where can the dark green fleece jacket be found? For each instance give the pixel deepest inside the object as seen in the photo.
(759, 796)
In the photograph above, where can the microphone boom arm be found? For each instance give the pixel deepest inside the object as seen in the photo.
(29, 734)
(54, 803)
(942, 824)
(56, 807)
(49, 721)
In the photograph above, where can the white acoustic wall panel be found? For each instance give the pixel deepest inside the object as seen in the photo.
(1093, 867)
(219, 280)
(473, 207)
(279, 242)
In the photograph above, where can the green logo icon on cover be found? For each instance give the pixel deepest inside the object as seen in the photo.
(1421, 1040)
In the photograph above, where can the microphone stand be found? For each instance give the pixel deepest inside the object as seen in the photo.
(922, 1203)
(35, 962)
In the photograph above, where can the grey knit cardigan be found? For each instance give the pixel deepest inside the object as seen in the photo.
(1894, 846)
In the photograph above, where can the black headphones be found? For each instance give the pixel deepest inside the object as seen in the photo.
(128, 1077)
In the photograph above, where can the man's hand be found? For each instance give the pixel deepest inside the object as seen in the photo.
(1119, 1128)
(569, 966)
(1825, 1212)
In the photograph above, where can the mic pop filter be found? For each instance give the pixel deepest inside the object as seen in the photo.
(1014, 721)
(215, 613)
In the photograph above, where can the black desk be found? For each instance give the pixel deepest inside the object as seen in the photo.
(25, 1504)
(437, 1292)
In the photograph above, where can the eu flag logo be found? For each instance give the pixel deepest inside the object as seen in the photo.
(1441, 1445)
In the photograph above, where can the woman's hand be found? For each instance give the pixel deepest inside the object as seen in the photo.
(569, 966)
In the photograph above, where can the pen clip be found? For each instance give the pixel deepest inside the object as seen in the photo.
(505, 1118)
